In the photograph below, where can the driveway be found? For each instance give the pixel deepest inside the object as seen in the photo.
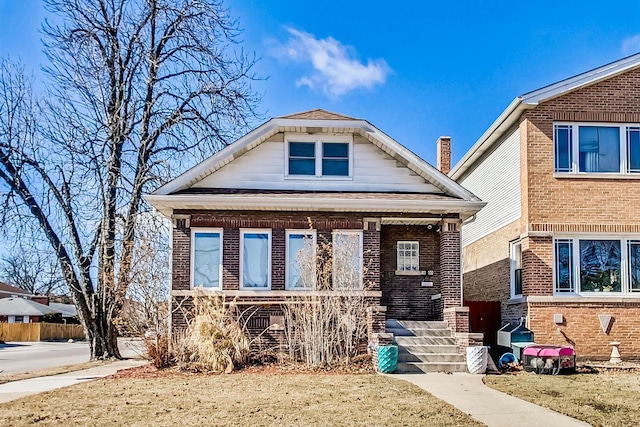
(18, 357)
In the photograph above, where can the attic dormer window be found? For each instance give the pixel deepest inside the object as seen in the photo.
(318, 156)
(302, 158)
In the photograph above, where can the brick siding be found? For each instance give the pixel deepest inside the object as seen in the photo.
(404, 296)
(450, 276)
(582, 327)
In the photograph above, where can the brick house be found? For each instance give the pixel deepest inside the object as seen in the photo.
(559, 240)
(240, 216)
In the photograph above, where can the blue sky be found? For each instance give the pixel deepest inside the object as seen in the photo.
(416, 70)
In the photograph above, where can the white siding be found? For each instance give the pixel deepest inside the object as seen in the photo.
(496, 180)
(263, 168)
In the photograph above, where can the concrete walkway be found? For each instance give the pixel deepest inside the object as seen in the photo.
(468, 393)
(17, 389)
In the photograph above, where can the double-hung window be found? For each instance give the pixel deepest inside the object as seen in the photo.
(408, 256)
(516, 269)
(255, 259)
(206, 258)
(324, 156)
(301, 259)
(593, 148)
(347, 259)
(596, 265)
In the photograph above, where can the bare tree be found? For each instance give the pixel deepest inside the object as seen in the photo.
(136, 88)
(149, 284)
(33, 270)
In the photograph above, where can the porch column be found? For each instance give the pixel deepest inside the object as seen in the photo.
(450, 263)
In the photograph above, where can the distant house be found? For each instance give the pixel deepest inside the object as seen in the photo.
(559, 240)
(21, 310)
(8, 291)
(241, 216)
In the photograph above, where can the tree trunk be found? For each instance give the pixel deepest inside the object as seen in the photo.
(103, 338)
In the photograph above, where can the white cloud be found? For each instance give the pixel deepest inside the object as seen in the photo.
(631, 45)
(336, 69)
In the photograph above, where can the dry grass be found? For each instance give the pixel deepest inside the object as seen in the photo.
(605, 399)
(237, 400)
(5, 378)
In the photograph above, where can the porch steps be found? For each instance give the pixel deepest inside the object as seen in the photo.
(425, 347)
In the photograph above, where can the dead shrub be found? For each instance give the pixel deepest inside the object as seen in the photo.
(214, 340)
(157, 351)
(326, 325)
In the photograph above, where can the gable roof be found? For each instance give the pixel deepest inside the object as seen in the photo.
(317, 114)
(7, 289)
(510, 116)
(24, 307)
(287, 124)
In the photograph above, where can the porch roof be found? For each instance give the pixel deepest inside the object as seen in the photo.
(286, 200)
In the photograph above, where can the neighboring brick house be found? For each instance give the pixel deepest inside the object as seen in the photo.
(559, 239)
(240, 216)
(10, 291)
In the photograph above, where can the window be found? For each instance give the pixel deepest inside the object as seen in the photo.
(593, 265)
(206, 258)
(326, 156)
(255, 255)
(335, 159)
(302, 158)
(599, 149)
(516, 269)
(347, 259)
(564, 266)
(408, 256)
(301, 259)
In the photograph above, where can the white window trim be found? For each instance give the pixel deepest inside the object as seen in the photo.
(415, 272)
(306, 232)
(195, 230)
(575, 151)
(360, 261)
(575, 268)
(318, 139)
(244, 231)
(512, 268)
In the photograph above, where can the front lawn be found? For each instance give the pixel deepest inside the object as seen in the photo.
(605, 399)
(239, 399)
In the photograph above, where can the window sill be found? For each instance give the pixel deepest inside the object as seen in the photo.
(271, 293)
(516, 299)
(604, 175)
(594, 297)
(411, 273)
(318, 178)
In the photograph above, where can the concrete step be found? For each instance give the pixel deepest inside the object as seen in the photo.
(419, 324)
(414, 341)
(421, 332)
(431, 349)
(428, 324)
(431, 357)
(422, 367)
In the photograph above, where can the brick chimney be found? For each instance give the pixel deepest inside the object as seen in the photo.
(443, 148)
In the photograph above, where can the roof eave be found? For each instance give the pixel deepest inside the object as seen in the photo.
(512, 113)
(166, 204)
(502, 124)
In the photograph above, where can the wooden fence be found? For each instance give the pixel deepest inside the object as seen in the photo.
(39, 332)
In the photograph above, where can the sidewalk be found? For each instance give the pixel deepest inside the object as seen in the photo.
(17, 389)
(468, 393)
